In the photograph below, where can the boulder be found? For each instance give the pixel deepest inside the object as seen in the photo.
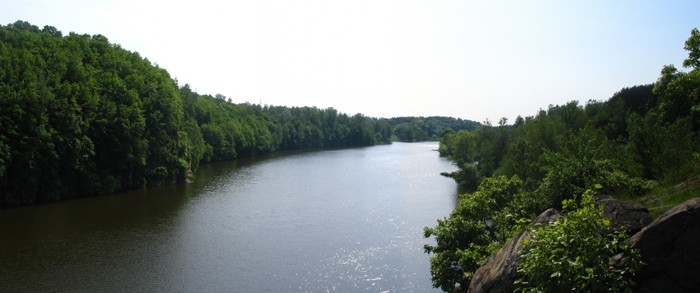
(500, 271)
(670, 249)
(627, 215)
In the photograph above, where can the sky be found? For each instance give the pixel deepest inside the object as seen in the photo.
(474, 60)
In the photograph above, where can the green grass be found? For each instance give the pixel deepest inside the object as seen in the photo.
(663, 198)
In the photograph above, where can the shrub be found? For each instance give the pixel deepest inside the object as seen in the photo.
(475, 230)
(576, 254)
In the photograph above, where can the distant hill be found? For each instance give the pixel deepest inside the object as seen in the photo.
(409, 129)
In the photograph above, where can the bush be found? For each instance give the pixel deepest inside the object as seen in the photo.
(158, 173)
(576, 254)
(475, 230)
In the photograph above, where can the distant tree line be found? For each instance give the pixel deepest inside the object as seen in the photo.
(80, 116)
(643, 136)
(410, 129)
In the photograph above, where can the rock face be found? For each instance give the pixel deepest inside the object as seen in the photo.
(670, 248)
(628, 215)
(500, 271)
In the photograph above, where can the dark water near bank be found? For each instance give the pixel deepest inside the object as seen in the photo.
(342, 220)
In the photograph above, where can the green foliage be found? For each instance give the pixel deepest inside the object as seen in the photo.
(662, 150)
(692, 45)
(490, 147)
(410, 129)
(71, 114)
(559, 154)
(476, 153)
(576, 254)
(461, 147)
(80, 116)
(471, 234)
(585, 160)
(641, 136)
(663, 198)
(612, 116)
(410, 132)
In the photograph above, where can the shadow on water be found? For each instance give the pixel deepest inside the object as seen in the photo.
(70, 234)
(296, 221)
(122, 211)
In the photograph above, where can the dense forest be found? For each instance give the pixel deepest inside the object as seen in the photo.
(80, 116)
(410, 129)
(640, 139)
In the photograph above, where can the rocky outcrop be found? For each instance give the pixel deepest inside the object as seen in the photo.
(629, 216)
(500, 271)
(670, 249)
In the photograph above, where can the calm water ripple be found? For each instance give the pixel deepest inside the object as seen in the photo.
(330, 221)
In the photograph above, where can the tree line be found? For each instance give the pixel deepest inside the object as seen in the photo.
(80, 116)
(642, 137)
(410, 129)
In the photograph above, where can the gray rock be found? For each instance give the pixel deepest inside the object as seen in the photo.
(628, 215)
(670, 249)
(500, 271)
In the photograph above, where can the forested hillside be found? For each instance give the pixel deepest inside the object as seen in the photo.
(410, 129)
(641, 138)
(80, 116)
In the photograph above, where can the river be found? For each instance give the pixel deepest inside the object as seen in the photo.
(348, 220)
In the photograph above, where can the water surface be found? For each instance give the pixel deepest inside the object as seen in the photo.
(341, 220)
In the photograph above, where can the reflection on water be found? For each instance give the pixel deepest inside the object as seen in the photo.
(342, 220)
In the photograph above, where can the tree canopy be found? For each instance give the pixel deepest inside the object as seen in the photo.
(410, 129)
(81, 116)
(641, 137)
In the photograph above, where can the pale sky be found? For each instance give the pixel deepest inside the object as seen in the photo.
(475, 60)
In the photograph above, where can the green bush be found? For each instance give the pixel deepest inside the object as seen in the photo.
(474, 231)
(577, 254)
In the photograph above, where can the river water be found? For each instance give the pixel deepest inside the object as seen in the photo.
(345, 220)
